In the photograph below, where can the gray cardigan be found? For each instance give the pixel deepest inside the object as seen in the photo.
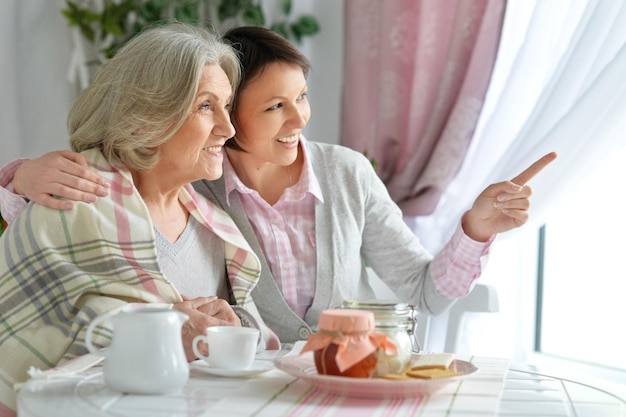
(358, 224)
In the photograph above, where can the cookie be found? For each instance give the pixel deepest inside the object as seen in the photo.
(396, 376)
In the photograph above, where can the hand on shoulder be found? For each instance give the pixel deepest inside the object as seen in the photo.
(59, 176)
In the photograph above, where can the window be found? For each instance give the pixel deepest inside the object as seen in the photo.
(582, 279)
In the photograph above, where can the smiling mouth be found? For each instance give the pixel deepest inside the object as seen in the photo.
(289, 139)
(212, 149)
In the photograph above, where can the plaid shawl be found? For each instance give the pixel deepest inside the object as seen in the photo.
(60, 269)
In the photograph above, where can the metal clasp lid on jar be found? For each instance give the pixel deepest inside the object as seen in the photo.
(390, 313)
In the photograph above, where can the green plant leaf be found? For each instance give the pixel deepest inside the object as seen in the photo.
(114, 16)
(150, 11)
(231, 8)
(307, 25)
(253, 15)
(161, 4)
(188, 12)
(295, 31)
(137, 27)
(83, 18)
(112, 26)
(88, 32)
(113, 20)
(110, 51)
(287, 7)
(281, 29)
(72, 14)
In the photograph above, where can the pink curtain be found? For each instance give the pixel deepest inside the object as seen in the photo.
(416, 74)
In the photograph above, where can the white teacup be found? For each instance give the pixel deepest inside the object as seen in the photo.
(230, 347)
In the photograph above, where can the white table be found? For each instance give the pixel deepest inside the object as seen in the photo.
(496, 390)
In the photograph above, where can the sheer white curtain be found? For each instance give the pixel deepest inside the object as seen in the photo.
(558, 84)
(35, 93)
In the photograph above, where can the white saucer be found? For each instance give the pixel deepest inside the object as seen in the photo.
(256, 368)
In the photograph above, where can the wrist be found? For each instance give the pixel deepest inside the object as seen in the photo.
(7, 174)
(469, 225)
(14, 184)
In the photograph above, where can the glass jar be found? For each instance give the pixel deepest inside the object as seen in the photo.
(397, 321)
(346, 343)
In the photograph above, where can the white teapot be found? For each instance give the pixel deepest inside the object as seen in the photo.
(146, 355)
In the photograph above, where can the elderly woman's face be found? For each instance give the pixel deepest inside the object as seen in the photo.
(195, 150)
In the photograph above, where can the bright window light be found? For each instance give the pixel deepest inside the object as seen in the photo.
(583, 297)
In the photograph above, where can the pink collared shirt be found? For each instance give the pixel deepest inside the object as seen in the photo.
(12, 204)
(286, 232)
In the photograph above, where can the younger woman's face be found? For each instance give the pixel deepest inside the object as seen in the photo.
(271, 113)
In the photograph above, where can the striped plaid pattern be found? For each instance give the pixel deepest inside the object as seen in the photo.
(243, 266)
(60, 269)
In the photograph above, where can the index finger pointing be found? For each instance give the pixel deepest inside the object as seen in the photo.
(534, 169)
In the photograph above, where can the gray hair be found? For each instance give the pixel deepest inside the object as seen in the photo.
(142, 96)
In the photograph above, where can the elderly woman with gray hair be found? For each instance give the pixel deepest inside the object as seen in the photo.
(154, 119)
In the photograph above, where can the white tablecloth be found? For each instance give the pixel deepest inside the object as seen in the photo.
(495, 390)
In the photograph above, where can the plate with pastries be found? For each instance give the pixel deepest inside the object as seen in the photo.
(427, 373)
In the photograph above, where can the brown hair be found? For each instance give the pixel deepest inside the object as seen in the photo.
(257, 48)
